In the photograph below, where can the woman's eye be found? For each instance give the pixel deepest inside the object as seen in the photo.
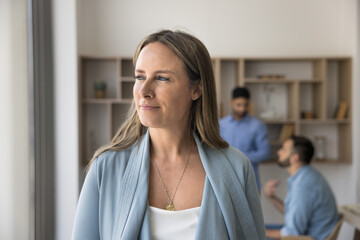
(161, 78)
(139, 77)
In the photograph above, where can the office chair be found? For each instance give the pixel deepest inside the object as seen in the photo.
(333, 235)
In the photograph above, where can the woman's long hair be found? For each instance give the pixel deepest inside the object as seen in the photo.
(203, 114)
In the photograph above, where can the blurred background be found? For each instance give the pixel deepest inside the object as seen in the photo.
(48, 50)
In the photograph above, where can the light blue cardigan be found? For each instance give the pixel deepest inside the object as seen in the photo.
(114, 199)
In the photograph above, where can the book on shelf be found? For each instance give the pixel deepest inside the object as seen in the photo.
(287, 131)
(341, 110)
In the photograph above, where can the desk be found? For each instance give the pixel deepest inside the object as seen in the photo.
(352, 215)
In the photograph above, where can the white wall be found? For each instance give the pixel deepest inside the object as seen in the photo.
(240, 28)
(14, 126)
(228, 28)
(66, 118)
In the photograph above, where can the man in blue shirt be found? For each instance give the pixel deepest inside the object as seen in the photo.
(310, 207)
(245, 132)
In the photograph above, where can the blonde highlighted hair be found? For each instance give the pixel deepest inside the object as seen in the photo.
(203, 114)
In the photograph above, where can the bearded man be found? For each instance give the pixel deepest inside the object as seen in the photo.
(310, 206)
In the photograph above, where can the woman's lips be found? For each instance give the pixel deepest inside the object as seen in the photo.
(148, 107)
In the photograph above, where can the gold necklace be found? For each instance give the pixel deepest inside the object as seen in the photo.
(170, 206)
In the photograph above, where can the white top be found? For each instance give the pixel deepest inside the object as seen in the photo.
(174, 225)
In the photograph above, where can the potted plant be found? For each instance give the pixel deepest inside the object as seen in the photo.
(100, 88)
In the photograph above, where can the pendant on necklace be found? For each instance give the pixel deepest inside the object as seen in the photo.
(170, 207)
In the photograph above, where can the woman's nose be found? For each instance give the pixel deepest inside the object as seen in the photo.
(146, 89)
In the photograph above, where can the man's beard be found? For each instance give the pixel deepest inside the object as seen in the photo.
(285, 163)
(240, 114)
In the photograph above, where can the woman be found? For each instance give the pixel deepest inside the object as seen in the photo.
(167, 174)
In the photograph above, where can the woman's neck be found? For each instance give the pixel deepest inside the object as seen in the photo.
(170, 145)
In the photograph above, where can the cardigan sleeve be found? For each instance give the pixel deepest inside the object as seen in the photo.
(86, 224)
(253, 198)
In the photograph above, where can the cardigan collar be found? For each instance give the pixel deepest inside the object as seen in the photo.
(223, 200)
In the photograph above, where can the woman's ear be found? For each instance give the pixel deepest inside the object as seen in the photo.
(196, 91)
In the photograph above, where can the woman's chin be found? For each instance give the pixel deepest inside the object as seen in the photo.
(150, 123)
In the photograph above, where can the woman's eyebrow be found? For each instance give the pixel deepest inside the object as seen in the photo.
(139, 70)
(156, 72)
(165, 71)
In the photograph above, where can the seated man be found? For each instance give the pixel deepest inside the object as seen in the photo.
(310, 206)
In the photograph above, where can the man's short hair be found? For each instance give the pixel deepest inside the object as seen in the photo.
(240, 92)
(303, 147)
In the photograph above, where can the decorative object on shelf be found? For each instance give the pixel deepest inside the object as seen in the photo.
(308, 115)
(287, 131)
(341, 110)
(271, 76)
(100, 89)
(270, 112)
(320, 148)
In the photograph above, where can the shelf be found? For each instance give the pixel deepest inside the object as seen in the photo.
(326, 121)
(262, 81)
(328, 161)
(258, 80)
(106, 101)
(315, 80)
(277, 121)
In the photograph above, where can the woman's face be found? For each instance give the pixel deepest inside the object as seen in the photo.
(162, 92)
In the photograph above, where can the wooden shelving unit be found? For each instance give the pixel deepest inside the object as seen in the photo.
(315, 84)
(100, 118)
